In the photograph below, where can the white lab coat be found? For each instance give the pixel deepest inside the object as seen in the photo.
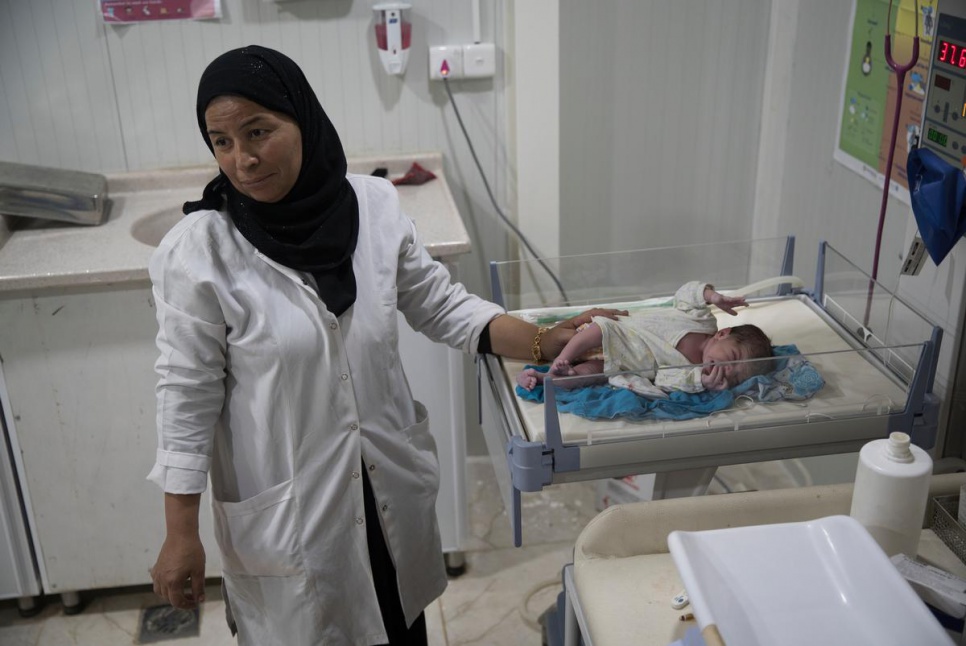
(279, 401)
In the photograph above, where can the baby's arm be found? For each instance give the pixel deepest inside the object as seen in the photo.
(725, 303)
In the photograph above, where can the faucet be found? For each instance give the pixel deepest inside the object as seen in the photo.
(52, 194)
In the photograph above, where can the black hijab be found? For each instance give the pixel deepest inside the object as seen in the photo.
(315, 227)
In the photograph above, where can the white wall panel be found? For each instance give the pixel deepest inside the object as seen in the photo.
(82, 94)
(56, 87)
(20, 144)
(660, 110)
(40, 76)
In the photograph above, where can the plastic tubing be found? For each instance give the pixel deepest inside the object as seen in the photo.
(794, 281)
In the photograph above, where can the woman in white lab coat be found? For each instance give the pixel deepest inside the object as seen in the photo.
(280, 376)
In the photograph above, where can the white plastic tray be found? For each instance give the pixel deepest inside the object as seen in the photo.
(823, 581)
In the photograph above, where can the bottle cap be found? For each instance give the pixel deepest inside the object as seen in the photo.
(897, 449)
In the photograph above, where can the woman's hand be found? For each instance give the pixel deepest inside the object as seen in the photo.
(179, 574)
(181, 563)
(513, 337)
(554, 339)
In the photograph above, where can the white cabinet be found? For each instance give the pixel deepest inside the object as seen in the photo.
(79, 371)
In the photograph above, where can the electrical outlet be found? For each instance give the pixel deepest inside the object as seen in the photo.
(474, 61)
(445, 62)
(479, 60)
(915, 259)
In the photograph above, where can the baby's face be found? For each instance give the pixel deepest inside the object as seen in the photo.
(723, 347)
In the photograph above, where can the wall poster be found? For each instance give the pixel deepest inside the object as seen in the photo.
(869, 88)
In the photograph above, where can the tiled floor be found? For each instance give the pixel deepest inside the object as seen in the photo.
(498, 601)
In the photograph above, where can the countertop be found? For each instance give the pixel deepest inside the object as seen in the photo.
(38, 256)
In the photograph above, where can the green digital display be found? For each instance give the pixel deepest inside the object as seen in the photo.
(936, 136)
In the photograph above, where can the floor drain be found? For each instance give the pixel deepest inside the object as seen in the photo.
(161, 623)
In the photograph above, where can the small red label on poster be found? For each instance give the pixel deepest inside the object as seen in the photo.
(143, 10)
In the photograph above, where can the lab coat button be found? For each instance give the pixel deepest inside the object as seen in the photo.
(333, 326)
(344, 377)
(359, 521)
(385, 507)
(372, 467)
(355, 474)
(353, 427)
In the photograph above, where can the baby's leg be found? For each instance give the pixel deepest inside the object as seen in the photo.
(584, 341)
(561, 368)
(589, 369)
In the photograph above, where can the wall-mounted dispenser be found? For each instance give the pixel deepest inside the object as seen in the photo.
(393, 36)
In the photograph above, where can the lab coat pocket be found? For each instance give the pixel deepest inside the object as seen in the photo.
(259, 536)
(423, 448)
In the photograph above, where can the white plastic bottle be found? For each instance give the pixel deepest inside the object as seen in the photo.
(891, 492)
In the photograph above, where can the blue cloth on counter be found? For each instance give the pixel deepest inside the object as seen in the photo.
(794, 378)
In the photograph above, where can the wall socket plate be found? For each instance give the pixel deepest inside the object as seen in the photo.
(915, 259)
(479, 60)
(474, 61)
(445, 62)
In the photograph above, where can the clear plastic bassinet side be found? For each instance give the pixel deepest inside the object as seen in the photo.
(582, 281)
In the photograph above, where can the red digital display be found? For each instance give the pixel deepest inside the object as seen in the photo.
(951, 54)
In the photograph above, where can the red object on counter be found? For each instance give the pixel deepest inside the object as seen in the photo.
(415, 176)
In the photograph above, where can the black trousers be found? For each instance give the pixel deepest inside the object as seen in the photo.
(384, 577)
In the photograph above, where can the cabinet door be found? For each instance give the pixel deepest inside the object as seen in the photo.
(79, 371)
(18, 574)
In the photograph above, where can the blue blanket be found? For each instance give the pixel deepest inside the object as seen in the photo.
(794, 378)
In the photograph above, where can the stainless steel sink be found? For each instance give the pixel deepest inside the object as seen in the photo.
(150, 229)
(57, 194)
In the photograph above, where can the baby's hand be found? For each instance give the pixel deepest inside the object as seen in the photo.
(725, 303)
(713, 377)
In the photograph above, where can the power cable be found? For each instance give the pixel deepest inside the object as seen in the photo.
(486, 184)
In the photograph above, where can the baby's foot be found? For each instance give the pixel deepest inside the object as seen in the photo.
(529, 378)
(562, 368)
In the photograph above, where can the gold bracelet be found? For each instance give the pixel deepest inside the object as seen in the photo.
(535, 346)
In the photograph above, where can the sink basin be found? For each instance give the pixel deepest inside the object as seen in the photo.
(151, 228)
